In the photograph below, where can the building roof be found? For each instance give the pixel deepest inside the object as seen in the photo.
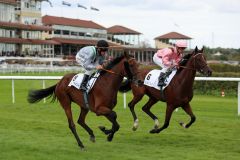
(79, 41)
(52, 20)
(26, 41)
(24, 26)
(117, 29)
(173, 35)
(13, 2)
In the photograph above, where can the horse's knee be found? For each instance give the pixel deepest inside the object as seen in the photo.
(113, 115)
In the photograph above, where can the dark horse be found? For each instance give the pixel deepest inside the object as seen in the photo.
(102, 97)
(177, 94)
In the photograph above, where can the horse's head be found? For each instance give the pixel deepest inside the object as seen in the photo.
(131, 69)
(199, 62)
(125, 66)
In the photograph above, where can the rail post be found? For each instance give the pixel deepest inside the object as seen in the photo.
(239, 98)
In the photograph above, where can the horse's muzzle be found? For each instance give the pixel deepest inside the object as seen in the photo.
(209, 73)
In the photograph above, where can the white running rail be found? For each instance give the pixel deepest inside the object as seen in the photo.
(43, 78)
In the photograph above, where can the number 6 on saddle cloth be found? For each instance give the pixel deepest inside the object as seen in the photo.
(151, 78)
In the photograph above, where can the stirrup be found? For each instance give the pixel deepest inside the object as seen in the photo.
(161, 84)
(83, 88)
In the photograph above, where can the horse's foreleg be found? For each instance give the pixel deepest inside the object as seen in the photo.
(72, 126)
(187, 108)
(81, 121)
(112, 117)
(168, 115)
(131, 106)
(146, 108)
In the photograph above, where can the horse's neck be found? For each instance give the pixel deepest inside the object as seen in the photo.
(186, 77)
(112, 80)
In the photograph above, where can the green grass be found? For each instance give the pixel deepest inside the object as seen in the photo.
(40, 131)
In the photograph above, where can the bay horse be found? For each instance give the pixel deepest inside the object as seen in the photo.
(102, 97)
(177, 94)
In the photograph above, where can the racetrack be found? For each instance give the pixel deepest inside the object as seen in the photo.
(40, 131)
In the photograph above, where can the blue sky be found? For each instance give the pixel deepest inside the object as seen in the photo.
(213, 23)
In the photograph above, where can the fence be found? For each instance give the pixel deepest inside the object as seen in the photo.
(43, 78)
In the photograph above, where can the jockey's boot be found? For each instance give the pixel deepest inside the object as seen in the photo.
(83, 86)
(161, 79)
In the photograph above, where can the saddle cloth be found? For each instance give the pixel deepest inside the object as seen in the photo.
(151, 79)
(77, 81)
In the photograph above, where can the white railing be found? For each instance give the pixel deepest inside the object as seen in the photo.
(43, 78)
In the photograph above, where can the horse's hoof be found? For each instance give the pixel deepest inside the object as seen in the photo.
(135, 125)
(134, 128)
(182, 124)
(102, 128)
(154, 131)
(156, 126)
(82, 147)
(92, 138)
(110, 137)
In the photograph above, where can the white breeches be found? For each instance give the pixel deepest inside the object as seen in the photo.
(158, 61)
(89, 72)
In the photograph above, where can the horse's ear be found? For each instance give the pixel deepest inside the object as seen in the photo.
(126, 55)
(196, 49)
(202, 49)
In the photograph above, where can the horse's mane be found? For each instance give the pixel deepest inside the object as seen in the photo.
(112, 63)
(184, 61)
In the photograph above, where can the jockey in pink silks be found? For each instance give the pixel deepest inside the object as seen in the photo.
(167, 58)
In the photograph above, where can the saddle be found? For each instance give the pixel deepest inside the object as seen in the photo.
(78, 78)
(151, 78)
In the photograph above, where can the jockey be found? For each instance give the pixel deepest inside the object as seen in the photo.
(91, 58)
(167, 58)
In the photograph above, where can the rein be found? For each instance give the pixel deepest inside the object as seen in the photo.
(112, 72)
(118, 74)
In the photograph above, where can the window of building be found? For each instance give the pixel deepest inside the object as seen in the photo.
(81, 33)
(28, 35)
(57, 31)
(74, 33)
(65, 32)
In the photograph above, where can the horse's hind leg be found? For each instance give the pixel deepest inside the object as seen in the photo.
(131, 106)
(187, 108)
(146, 108)
(81, 121)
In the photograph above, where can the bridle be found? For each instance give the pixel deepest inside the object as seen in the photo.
(194, 68)
(119, 74)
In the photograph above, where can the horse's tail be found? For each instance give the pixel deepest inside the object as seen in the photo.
(35, 96)
(125, 86)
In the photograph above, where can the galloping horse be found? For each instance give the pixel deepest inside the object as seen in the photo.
(102, 97)
(177, 94)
